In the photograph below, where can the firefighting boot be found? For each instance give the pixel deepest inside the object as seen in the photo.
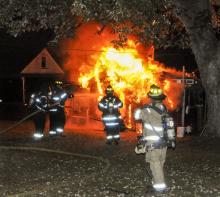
(109, 139)
(38, 135)
(156, 189)
(116, 142)
(116, 138)
(60, 131)
(150, 190)
(109, 142)
(51, 132)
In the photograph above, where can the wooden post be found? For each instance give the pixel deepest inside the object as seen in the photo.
(183, 101)
(181, 129)
(23, 90)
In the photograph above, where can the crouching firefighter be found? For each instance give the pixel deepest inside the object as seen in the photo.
(158, 134)
(111, 117)
(57, 98)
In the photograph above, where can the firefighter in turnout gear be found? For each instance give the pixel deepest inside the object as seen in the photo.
(39, 101)
(158, 134)
(56, 99)
(111, 117)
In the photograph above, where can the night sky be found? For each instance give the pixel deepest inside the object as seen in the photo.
(177, 58)
(15, 54)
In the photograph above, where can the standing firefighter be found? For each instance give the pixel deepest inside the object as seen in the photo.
(111, 117)
(39, 101)
(57, 98)
(158, 134)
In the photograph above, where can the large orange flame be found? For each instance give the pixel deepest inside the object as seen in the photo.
(131, 70)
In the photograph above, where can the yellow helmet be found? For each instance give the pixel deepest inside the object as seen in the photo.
(156, 92)
(57, 82)
(109, 90)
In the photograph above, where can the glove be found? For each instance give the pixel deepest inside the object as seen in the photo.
(141, 145)
(171, 144)
(140, 149)
(40, 108)
(43, 110)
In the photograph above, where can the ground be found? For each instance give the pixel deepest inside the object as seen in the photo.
(81, 164)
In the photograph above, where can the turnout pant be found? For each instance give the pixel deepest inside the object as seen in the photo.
(113, 134)
(156, 158)
(39, 121)
(57, 119)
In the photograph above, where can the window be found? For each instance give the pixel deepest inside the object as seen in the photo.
(43, 62)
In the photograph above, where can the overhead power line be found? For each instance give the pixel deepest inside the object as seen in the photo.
(140, 52)
(101, 51)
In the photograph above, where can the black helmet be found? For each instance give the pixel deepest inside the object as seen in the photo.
(109, 90)
(156, 93)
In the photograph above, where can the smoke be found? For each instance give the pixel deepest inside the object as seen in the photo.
(82, 51)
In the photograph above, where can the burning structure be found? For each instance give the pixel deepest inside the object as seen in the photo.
(94, 63)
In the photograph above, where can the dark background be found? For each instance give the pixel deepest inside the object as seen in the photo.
(16, 53)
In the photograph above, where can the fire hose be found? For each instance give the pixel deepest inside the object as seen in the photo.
(25, 118)
(20, 121)
(32, 114)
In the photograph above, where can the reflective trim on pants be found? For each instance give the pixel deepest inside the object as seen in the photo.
(159, 186)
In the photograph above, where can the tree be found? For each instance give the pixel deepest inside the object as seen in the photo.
(164, 23)
(196, 17)
(19, 16)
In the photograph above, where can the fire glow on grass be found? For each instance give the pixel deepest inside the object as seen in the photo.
(131, 70)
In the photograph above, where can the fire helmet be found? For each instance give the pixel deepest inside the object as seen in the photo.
(58, 82)
(55, 85)
(156, 93)
(109, 90)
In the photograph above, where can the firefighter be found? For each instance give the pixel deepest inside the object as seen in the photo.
(111, 117)
(158, 134)
(39, 101)
(57, 97)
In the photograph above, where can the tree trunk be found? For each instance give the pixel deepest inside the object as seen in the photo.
(213, 124)
(211, 82)
(196, 16)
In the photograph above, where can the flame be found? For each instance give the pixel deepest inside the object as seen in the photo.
(131, 70)
(129, 74)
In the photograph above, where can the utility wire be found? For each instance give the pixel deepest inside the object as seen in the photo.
(19, 122)
(101, 51)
